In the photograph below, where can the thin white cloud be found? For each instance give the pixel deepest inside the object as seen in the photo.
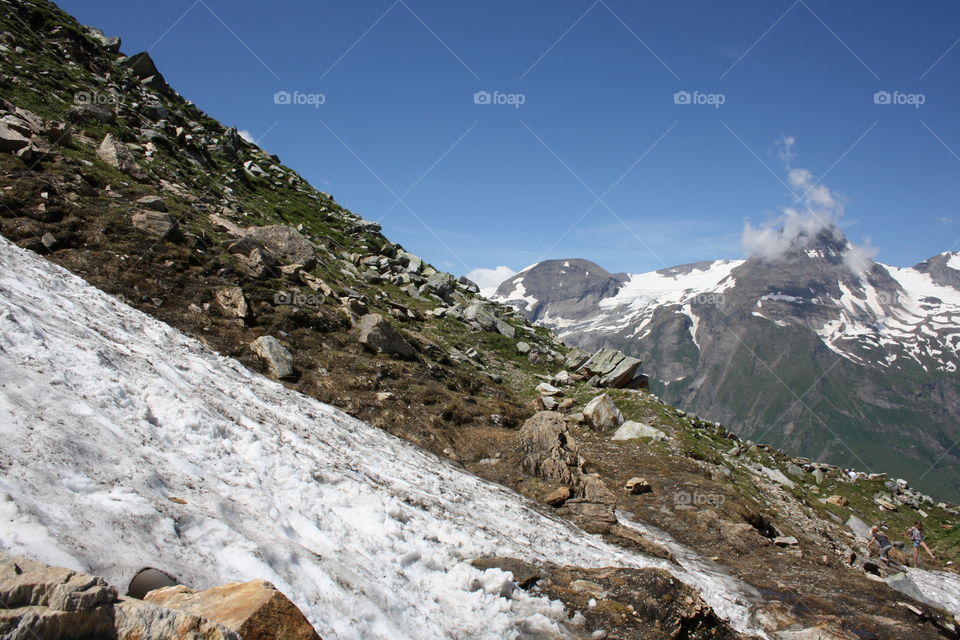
(489, 279)
(945, 220)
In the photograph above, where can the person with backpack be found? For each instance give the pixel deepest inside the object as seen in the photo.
(915, 533)
(883, 543)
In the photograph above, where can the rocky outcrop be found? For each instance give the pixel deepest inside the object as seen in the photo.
(255, 610)
(550, 452)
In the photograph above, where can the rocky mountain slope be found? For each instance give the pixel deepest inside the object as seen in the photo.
(802, 352)
(137, 404)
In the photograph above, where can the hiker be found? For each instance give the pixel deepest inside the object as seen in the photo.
(882, 542)
(915, 534)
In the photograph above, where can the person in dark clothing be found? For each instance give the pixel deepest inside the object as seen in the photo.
(883, 543)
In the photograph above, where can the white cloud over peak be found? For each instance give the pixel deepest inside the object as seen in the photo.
(489, 279)
(816, 210)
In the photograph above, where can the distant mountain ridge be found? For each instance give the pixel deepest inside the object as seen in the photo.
(801, 351)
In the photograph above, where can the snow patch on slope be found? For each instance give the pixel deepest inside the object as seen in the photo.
(107, 415)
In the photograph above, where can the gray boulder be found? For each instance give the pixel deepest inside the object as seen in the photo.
(117, 155)
(286, 244)
(602, 413)
(613, 368)
(377, 335)
(278, 359)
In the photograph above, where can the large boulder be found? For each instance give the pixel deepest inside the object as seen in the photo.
(602, 413)
(278, 359)
(549, 451)
(255, 610)
(38, 601)
(286, 244)
(614, 369)
(117, 155)
(377, 335)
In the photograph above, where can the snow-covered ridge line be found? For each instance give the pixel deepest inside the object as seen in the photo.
(108, 415)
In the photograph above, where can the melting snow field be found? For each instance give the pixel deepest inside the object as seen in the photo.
(107, 415)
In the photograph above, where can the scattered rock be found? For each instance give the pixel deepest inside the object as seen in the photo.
(153, 222)
(278, 359)
(840, 501)
(232, 302)
(117, 155)
(602, 413)
(557, 497)
(637, 486)
(153, 202)
(11, 140)
(255, 610)
(377, 335)
(785, 541)
(547, 389)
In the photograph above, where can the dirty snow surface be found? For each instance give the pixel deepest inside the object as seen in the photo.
(110, 419)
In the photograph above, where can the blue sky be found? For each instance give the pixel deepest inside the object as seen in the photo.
(599, 161)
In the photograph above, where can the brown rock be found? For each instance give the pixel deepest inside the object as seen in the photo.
(557, 497)
(256, 610)
(840, 501)
(637, 486)
(37, 602)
